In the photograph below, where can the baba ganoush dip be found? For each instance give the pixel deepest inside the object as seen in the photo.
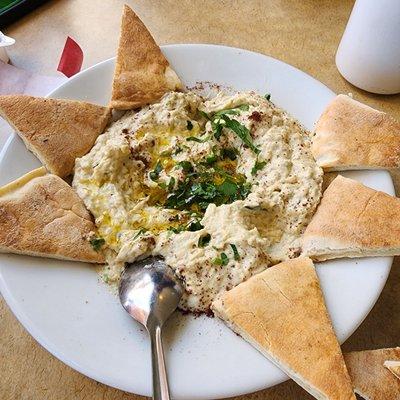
(221, 188)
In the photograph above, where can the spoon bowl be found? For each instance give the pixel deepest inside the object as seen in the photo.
(149, 291)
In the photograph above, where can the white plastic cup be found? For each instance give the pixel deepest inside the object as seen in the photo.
(369, 52)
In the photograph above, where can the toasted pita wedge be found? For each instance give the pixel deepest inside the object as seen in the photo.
(351, 135)
(281, 312)
(393, 367)
(353, 221)
(56, 131)
(41, 215)
(370, 378)
(142, 73)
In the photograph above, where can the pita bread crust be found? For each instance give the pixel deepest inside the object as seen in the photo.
(56, 131)
(393, 367)
(370, 378)
(142, 73)
(353, 220)
(352, 135)
(45, 217)
(282, 313)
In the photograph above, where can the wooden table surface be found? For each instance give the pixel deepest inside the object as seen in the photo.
(302, 33)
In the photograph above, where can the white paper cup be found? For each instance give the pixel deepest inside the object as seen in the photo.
(369, 52)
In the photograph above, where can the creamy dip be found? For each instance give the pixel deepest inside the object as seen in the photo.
(222, 188)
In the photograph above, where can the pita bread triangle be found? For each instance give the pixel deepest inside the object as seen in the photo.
(41, 215)
(393, 367)
(142, 73)
(352, 135)
(281, 312)
(370, 378)
(353, 221)
(56, 131)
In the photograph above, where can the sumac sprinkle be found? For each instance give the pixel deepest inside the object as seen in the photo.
(255, 116)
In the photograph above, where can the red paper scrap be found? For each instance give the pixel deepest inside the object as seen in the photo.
(71, 58)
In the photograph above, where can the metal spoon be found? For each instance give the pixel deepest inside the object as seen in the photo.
(150, 292)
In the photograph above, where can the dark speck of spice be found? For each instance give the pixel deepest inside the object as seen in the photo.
(255, 116)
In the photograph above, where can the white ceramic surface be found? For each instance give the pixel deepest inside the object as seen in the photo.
(369, 52)
(73, 315)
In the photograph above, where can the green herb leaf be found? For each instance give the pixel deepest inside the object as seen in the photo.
(195, 226)
(189, 125)
(203, 114)
(230, 153)
(171, 184)
(267, 96)
(97, 243)
(194, 139)
(186, 166)
(222, 260)
(199, 188)
(232, 111)
(228, 188)
(177, 150)
(154, 175)
(242, 132)
(236, 255)
(178, 229)
(211, 159)
(217, 129)
(204, 240)
(140, 232)
(258, 165)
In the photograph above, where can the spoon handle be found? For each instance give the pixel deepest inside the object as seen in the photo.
(160, 382)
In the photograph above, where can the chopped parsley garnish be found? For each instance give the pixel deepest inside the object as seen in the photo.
(196, 139)
(227, 188)
(189, 125)
(258, 165)
(236, 255)
(242, 132)
(230, 153)
(199, 189)
(211, 159)
(222, 260)
(140, 232)
(194, 226)
(267, 96)
(191, 226)
(204, 240)
(186, 166)
(217, 128)
(177, 150)
(154, 175)
(171, 184)
(204, 114)
(220, 120)
(232, 111)
(97, 243)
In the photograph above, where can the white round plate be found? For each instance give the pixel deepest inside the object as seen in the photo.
(74, 316)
